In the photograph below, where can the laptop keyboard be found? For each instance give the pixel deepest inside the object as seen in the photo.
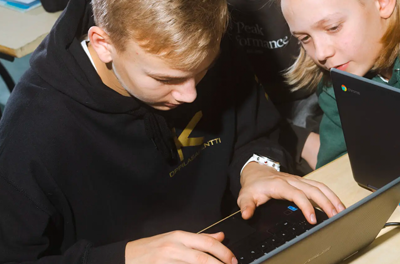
(261, 243)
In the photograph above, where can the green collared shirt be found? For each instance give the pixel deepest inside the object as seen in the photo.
(331, 133)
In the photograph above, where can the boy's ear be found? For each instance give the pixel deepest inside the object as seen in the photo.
(386, 7)
(101, 43)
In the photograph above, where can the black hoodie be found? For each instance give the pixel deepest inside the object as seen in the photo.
(79, 174)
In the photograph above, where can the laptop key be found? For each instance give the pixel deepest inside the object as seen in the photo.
(286, 224)
(295, 230)
(286, 235)
(243, 260)
(276, 241)
(242, 254)
(256, 253)
(267, 247)
(248, 255)
(305, 225)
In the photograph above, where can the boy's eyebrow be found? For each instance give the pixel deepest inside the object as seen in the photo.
(320, 23)
(165, 77)
(179, 78)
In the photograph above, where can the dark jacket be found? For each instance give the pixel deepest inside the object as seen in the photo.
(261, 30)
(54, 5)
(332, 140)
(79, 174)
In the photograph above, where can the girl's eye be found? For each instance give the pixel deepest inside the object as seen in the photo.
(305, 39)
(334, 29)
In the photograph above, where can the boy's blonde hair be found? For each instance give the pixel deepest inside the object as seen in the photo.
(182, 32)
(305, 73)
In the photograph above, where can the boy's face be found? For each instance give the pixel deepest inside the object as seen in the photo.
(343, 34)
(154, 82)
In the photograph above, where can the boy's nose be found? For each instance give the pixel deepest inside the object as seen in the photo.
(185, 92)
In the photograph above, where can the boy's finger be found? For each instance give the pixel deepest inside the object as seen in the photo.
(328, 193)
(246, 204)
(209, 244)
(314, 193)
(218, 236)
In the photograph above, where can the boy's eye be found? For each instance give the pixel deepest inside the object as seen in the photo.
(165, 81)
(172, 82)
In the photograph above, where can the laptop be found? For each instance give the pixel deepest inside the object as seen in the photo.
(279, 233)
(370, 116)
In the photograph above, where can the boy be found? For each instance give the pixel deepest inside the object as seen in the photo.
(111, 143)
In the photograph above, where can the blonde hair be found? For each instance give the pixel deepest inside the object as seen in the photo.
(306, 74)
(182, 32)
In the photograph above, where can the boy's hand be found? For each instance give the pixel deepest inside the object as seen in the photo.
(261, 183)
(179, 247)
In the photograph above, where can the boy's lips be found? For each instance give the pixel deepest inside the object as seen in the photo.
(172, 105)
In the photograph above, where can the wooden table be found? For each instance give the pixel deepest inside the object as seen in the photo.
(338, 176)
(21, 33)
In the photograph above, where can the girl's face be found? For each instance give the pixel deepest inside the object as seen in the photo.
(342, 34)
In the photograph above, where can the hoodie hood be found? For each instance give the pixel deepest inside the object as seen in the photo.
(61, 62)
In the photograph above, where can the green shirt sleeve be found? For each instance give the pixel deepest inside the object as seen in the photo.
(331, 133)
